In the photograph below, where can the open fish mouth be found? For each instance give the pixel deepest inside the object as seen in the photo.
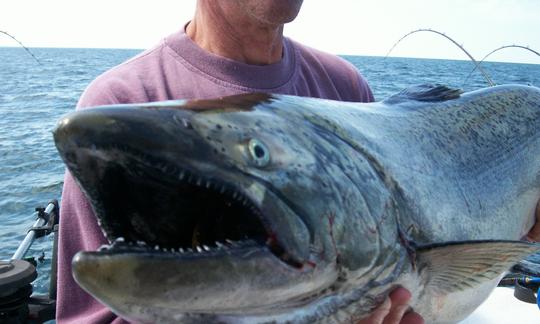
(169, 209)
(156, 184)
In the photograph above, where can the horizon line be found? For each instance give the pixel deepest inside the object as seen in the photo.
(381, 56)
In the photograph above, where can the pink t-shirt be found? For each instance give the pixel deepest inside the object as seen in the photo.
(178, 69)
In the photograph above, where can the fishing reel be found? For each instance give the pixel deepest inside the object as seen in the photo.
(17, 304)
(526, 288)
(15, 290)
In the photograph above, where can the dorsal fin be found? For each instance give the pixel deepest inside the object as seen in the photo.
(454, 266)
(426, 93)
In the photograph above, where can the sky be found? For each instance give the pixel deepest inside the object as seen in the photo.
(354, 27)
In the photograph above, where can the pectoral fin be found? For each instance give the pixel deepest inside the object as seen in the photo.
(454, 266)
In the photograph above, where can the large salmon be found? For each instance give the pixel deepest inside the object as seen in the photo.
(274, 208)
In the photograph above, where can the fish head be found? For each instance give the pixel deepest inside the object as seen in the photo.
(216, 208)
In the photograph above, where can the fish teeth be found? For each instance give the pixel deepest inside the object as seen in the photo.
(220, 245)
(222, 190)
(156, 248)
(182, 175)
(199, 180)
(180, 250)
(199, 249)
(206, 248)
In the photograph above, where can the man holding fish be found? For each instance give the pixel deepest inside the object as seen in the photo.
(229, 47)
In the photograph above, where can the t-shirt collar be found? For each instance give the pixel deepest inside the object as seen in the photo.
(259, 77)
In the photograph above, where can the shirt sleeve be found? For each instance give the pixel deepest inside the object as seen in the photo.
(361, 91)
(364, 91)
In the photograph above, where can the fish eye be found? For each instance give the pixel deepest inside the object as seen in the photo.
(259, 153)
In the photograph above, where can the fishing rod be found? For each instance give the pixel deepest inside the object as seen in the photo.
(527, 48)
(17, 304)
(41, 227)
(477, 66)
(22, 45)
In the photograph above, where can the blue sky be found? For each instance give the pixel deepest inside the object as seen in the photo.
(358, 27)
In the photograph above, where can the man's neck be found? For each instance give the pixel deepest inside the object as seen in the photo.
(228, 32)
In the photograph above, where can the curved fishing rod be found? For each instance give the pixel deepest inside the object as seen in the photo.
(486, 76)
(22, 45)
(496, 50)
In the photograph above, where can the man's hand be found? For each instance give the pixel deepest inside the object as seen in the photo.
(394, 310)
(534, 233)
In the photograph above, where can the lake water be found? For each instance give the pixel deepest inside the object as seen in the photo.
(33, 97)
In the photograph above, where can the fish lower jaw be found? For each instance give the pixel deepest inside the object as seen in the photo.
(208, 285)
